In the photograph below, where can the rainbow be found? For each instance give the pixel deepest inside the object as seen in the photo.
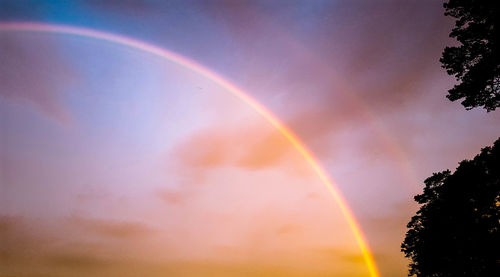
(236, 91)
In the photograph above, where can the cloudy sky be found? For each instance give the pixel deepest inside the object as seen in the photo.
(118, 162)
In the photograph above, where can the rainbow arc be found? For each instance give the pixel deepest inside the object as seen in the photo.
(230, 87)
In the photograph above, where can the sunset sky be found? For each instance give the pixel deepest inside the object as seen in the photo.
(116, 161)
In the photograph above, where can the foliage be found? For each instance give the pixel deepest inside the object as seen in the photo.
(456, 232)
(476, 61)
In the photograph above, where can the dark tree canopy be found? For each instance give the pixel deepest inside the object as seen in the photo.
(476, 61)
(456, 232)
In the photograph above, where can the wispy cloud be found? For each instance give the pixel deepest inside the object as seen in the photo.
(110, 229)
(249, 147)
(32, 70)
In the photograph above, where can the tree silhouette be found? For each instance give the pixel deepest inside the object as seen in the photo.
(476, 61)
(456, 232)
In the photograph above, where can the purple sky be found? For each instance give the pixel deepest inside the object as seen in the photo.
(110, 155)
